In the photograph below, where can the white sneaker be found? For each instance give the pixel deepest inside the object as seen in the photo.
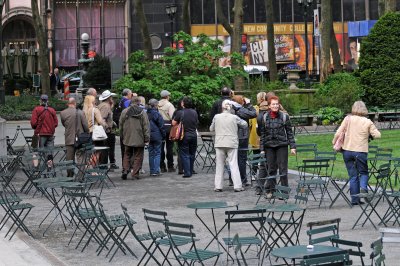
(269, 196)
(142, 171)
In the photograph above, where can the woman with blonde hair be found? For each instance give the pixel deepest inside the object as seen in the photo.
(93, 117)
(358, 129)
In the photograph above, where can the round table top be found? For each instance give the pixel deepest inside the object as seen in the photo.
(280, 207)
(211, 205)
(298, 252)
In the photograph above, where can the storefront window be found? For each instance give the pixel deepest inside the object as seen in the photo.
(373, 9)
(286, 7)
(348, 10)
(337, 10)
(359, 9)
(208, 11)
(248, 11)
(196, 12)
(298, 12)
(261, 16)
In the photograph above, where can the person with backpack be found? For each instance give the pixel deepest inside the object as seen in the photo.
(123, 103)
(275, 131)
(157, 135)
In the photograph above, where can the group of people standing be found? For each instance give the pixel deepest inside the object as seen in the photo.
(140, 125)
(236, 123)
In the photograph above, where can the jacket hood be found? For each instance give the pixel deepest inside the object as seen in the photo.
(264, 106)
(134, 111)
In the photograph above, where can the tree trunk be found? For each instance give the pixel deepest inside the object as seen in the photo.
(326, 22)
(223, 19)
(236, 35)
(42, 40)
(385, 6)
(273, 71)
(337, 66)
(186, 25)
(144, 30)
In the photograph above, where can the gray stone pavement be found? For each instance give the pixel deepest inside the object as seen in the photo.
(169, 192)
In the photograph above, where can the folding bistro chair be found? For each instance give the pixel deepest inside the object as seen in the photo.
(332, 258)
(323, 231)
(78, 202)
(344, 244)
(114, 227)
(313, 175)
(209, 158)
(181, 235)
(140, 238)
(238, 250)
(373, 198)
(155, 221)
(255, 218)
(376, 256)
(15, 211)
(253, 160)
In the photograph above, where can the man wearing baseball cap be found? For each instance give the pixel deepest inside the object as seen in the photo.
(105, 107)
(166, 110)
(44, 121)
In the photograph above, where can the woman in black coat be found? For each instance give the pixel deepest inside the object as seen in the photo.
(157, 135)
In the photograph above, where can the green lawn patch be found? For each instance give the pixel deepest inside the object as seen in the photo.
(390, 139)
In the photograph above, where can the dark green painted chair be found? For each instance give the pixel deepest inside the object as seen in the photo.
(182, 235)
(376, 256)
(239, 251)
(332, 259)
(349, 245)
(323, 231)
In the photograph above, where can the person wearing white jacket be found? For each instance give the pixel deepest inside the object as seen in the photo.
(226, 127)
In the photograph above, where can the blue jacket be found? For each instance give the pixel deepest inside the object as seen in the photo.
(157, 131)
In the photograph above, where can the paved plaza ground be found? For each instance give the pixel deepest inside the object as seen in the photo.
(171, 193)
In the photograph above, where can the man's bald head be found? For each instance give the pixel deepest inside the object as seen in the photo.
(72, 102)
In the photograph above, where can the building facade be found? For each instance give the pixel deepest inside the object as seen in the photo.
(115, 32)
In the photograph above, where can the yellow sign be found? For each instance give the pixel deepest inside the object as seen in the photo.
(261, 29)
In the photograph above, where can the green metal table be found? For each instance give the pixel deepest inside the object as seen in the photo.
(294, 253)
(212, 205)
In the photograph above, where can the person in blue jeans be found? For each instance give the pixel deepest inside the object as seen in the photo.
(188, 145)
(358, 129)
(157, 135)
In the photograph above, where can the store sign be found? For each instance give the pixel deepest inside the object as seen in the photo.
(259, 52)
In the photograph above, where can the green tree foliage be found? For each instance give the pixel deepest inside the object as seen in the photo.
(380, 62)
(193, 71)
(339, 90)
(98, 73)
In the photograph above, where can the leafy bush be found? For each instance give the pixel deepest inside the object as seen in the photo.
(379, 66)
(339, 90)
(329, 115)
(98, 73)
(195, 72)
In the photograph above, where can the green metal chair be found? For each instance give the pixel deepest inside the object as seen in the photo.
(335, 258)
(376, 256)
(236, 220)
(182, 235)
(323, 231)
(15, 211)
(114, 227)
(352, 244)
(281, 193)
(238, 250)
(140, 238)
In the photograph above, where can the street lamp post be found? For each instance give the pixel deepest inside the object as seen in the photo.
(2, 91)
(84, 60)
(171, 11)
(305, 4)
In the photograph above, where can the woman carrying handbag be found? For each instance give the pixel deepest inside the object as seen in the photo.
(356, 130)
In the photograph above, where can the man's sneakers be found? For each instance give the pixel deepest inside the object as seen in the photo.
(239, 189)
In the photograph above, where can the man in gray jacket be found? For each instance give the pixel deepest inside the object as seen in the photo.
(135, 129)
(75, 123)
(226, 127)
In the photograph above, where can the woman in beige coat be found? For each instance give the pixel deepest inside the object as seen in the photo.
(355, 148)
